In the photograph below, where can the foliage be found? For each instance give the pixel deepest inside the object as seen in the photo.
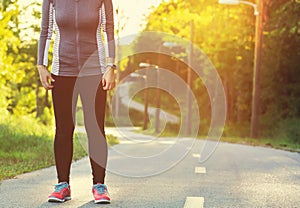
(8, 47)
(226, 34)
(281, 80)
(21, 92)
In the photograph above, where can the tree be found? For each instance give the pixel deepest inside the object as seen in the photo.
(281, 80)
(8, 47)
(22, 93)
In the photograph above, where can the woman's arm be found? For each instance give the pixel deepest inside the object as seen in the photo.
(108, 80)
(108, 29)
(46, 32)
(44, 43)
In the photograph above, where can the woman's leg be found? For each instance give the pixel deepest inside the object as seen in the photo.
(94, 101)
(62, 98)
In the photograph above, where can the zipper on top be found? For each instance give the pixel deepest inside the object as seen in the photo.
(77, 34)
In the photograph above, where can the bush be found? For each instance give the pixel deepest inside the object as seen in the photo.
(289, 129)
(236, 130)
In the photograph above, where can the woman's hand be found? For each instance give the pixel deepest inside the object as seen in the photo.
(45, 77)
(108, 79)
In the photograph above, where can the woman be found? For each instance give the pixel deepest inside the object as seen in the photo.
(81, 65)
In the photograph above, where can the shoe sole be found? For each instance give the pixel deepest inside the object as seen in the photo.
(102, 201)
(52, 199)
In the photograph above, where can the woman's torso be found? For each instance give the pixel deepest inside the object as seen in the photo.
(78, 46)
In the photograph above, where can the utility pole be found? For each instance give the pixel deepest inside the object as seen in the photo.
(257, 71)
(255, 109)
(189, 82)
(157, 112)
(146, 98)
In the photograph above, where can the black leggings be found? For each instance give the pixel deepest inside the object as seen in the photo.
(93, 97)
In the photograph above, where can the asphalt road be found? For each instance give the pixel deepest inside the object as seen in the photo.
(127, 100)
(234, 176)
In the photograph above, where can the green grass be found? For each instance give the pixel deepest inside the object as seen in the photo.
(112, 140)
(82, 139)
(27, 145)
(277, 143)
(265, 142)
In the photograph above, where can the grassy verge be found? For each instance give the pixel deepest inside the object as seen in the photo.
(277, 143)
(282, 144)
(27, 145)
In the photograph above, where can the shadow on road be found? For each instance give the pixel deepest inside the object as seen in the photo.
(70, 204)
(91, 204)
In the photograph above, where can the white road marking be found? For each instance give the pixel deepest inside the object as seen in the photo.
(194, 202)
(196, 155)
(200, 170)
(166, 142)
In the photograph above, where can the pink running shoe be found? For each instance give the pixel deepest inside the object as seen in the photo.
(61, 193)
(100, 194)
